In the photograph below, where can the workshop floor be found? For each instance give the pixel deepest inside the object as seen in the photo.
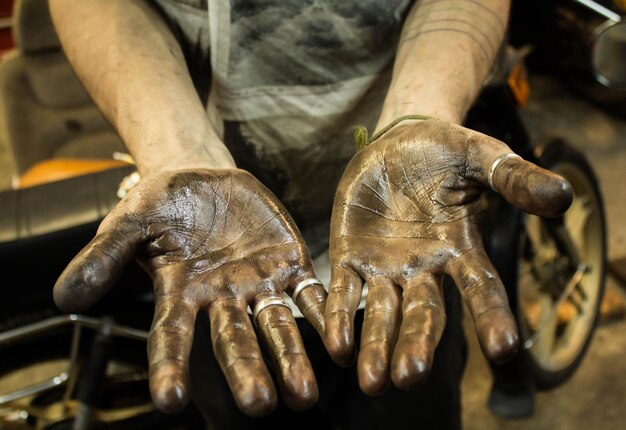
(595, 396)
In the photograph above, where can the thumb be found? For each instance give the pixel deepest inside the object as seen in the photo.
(523, 184)
(96, 268)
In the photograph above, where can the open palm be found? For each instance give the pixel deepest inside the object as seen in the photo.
(212, 240)
(405, 215)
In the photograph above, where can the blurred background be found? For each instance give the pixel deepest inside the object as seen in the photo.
(62, 168)
(570, 98)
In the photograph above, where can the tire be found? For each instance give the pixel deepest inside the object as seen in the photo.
(555, 341)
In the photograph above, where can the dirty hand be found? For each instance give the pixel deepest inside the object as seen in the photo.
(405, 215)
(212, 240)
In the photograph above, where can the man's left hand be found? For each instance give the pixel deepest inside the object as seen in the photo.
(405, 215)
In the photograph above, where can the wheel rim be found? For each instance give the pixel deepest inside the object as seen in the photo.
(559, 304)
(59, 409)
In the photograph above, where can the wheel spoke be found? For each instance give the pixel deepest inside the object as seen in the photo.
(533, 230)
(546, 336)
(576, 222)
(570, 329)
(543, 247)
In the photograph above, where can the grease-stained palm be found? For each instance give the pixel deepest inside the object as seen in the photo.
(405, 215)
(217, 241)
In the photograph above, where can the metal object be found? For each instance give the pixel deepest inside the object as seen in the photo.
(302, 285)
(266, 303)
(66, 376)
(608, 54)
(599, 9)
(495, 164)
(601, 33)
(563, 273)
(565, 295)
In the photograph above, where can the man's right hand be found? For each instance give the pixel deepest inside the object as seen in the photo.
(212, 240)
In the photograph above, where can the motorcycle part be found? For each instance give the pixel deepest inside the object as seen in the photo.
(561, 273)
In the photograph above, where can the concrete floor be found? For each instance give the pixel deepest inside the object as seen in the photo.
(595, 397)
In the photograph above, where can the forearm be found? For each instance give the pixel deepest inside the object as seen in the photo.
(445, 52)
(134, 69)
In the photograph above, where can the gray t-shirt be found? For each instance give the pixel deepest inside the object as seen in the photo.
(288, 80)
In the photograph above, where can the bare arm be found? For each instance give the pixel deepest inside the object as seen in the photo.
(445, 52)
(212, 238)
(134, 69)
(407, 207)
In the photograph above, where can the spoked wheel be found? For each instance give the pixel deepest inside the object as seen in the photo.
(561, 274)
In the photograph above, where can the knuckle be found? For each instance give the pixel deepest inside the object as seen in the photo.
(420, 306)
(492, 315)
(343, 288)
(380, 311)
(168, 328)
(240, 335)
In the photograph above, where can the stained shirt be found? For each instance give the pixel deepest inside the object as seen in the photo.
(285, 82)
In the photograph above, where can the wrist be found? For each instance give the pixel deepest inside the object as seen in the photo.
(211, 156)
(362, 138)
(441, 113)
(437, 106)
(426, 92)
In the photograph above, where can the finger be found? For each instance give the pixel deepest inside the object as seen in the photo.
(311, 300)
(169, 345)
(344, 296)
(486, 299)
(423, 321)
(238, 354)
(380, 327)
(521, 183)
(295, 375)
(92, 273)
